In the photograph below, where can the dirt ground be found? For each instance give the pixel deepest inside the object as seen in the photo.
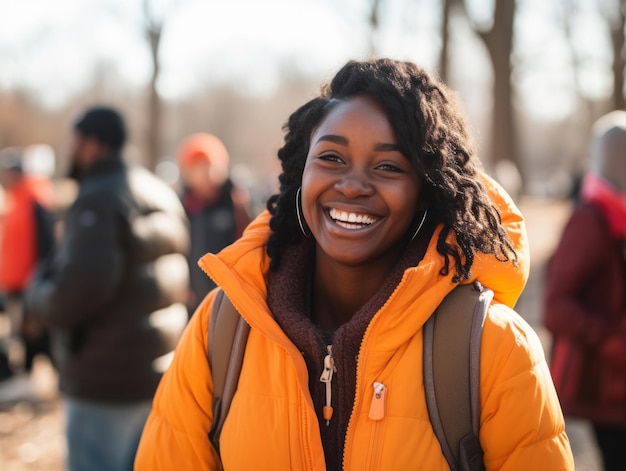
(31, 422)
(31, 416)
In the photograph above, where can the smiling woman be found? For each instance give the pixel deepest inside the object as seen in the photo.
(382, 210)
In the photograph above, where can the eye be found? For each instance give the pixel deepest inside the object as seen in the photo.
(387, 167)
(330, 158)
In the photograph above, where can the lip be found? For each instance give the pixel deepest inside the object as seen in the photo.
(351, 220)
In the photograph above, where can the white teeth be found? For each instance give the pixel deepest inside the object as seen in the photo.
(351, 220)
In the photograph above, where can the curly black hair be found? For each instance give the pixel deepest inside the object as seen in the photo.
(431, 132)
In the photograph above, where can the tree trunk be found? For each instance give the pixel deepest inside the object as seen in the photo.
(153, 144)
(443, 65)
(373, 20)
(154, 29)
(499, 43)
(617, 38)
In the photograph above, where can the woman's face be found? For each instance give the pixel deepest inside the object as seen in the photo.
(204, 179)
(359, 193)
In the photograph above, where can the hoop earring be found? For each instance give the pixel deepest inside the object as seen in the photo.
(299, 216)
(420, 224)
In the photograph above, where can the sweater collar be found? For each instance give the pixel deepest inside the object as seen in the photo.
(287, 287)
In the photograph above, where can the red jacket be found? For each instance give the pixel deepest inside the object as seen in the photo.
(585, 309)
(18, 246)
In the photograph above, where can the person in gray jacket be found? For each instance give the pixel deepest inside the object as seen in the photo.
(113, 294)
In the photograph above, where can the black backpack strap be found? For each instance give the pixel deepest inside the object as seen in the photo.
(452, 339)
(227, 337)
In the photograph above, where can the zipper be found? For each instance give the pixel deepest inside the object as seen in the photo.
(377, 414)
(358, 364)
(327, 377)
(377, 408)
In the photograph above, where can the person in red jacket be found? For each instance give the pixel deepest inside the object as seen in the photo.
(585, 296)
(27, 238)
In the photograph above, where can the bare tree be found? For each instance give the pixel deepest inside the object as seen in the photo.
(153, 31)
(153, 28)
(373, 21)
(498, 39)
(443, 66)
(569, 13)
(616, 20)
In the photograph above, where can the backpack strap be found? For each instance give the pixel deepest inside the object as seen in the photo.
(452, 338)
(227, 337)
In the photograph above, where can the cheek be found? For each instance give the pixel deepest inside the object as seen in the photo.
(306, 197)
(314, 184)
(218, 175)
(405, 198)
(80, 155)
(197, 177)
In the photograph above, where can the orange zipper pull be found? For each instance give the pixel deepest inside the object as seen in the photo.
(327, 377)
(377, 409)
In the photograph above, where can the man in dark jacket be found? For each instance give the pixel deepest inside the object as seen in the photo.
(113, 295)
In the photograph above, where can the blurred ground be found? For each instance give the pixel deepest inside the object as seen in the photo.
(31, 422)
(31, 419)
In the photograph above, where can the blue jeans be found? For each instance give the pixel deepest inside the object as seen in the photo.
(103, 436)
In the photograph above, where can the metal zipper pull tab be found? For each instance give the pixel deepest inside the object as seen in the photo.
(377, 408)
(327, 377)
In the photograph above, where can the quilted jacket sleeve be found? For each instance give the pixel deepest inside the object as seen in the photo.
(522, 426)
(176, 433)
(87, 269)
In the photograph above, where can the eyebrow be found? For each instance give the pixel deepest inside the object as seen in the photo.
(345, 142)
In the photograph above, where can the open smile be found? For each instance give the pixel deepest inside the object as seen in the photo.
(351, 221)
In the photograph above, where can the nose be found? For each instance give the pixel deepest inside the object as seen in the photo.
(355, 184)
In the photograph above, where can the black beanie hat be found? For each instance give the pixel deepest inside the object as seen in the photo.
(105, 124)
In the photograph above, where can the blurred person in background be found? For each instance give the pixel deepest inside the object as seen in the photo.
(113, 295)
(218, 210)
(6, 371)
(27, 238)
(585, 296)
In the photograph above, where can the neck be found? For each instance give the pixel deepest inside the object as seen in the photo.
(102, 161)
(339, 291)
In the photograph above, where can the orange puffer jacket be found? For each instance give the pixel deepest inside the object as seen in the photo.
(272, 423)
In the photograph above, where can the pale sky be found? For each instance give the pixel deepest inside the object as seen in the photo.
(219, 40)
(50, 47)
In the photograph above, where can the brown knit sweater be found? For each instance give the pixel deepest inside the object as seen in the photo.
(288, 290)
